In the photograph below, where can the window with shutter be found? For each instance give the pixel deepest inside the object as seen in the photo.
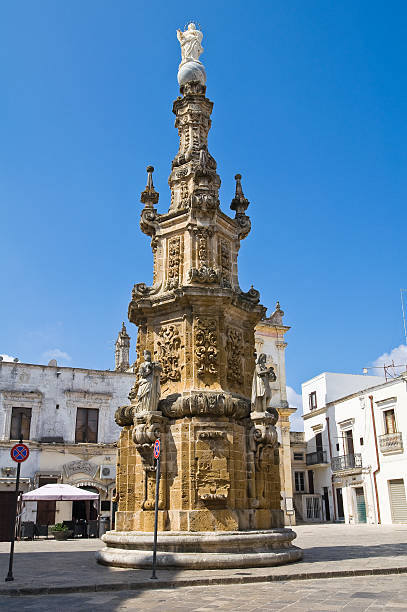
(86, 425)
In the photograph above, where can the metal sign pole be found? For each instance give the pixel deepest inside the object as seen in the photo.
(10, 576)
(157, 488)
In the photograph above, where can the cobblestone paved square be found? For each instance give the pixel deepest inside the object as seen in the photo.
(48, 563)
(323, 595)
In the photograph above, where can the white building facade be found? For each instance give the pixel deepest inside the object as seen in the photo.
(355, 429)
(66, 417)
(270, 340)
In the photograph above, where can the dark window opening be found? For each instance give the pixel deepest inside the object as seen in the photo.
(361, 441)
(313, 400)
(105, 505)
(20, 417)
(87, 425)
(318, 442)
(389, 422)
(298, 456)
(349, 442)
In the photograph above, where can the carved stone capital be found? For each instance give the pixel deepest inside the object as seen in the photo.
(244, 225)
(204, 403)
(147, 428)
(124, 416)
(205, 274)
(148, 220)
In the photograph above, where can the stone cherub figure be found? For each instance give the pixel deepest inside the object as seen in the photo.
(190, 42)
(261, 392)
(149, 389)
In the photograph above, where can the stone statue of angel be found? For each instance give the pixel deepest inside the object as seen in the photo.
(190, 42)
(149, 388)
(261, 392)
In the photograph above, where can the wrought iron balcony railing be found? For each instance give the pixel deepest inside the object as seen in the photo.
(317, 457)
(390, 443)
(346, 462)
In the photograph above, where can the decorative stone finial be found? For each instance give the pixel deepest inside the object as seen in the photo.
(190, 68)
(149, 196)
(276, 318)
(239, 202)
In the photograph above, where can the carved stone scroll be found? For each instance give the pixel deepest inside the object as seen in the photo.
(224, 263)
(169, 349)
(174, 262)
(204, 273)
(206, 346)
(234, 351)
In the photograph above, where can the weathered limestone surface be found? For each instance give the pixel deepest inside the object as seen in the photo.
(219, 462)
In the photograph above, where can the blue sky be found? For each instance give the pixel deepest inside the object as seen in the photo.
(310, 107)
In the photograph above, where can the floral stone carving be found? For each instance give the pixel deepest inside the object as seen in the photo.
(174, 262)
(206, 343)
(234, 350)
(169, 345)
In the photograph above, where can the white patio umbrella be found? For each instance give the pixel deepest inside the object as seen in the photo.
(59, 492)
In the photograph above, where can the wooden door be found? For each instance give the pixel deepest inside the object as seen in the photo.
(7, 510)
(46, 512)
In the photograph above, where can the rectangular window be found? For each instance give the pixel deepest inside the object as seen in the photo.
(313, 400)
(350, 450)
(298, 456)
(87, 425)
(299, 482)
(20, 417)
(318, 442)
(389, 421)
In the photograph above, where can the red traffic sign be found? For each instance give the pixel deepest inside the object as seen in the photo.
(20, 452)
(157, 449)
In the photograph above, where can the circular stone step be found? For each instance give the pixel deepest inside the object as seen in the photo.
(199, 550)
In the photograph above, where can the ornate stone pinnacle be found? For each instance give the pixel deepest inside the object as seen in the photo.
(124, 331)
(239, 202)
(149, 196)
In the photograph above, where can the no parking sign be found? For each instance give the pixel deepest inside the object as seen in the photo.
(20, 452)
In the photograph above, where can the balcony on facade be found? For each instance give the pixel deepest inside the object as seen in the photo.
(317, 458)
(346, 462)
(391, 443)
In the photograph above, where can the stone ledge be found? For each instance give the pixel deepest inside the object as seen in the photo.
(163, 583)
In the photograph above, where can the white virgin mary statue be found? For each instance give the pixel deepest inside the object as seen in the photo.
(190, 42)
(149, 389)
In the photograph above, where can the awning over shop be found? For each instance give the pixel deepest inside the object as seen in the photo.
(59, 492)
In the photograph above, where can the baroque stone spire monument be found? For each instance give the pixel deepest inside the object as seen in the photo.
(200, 387)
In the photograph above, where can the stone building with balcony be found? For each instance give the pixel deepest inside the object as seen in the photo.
(355, 430)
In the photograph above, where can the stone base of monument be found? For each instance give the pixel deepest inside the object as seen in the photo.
(200, 550)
